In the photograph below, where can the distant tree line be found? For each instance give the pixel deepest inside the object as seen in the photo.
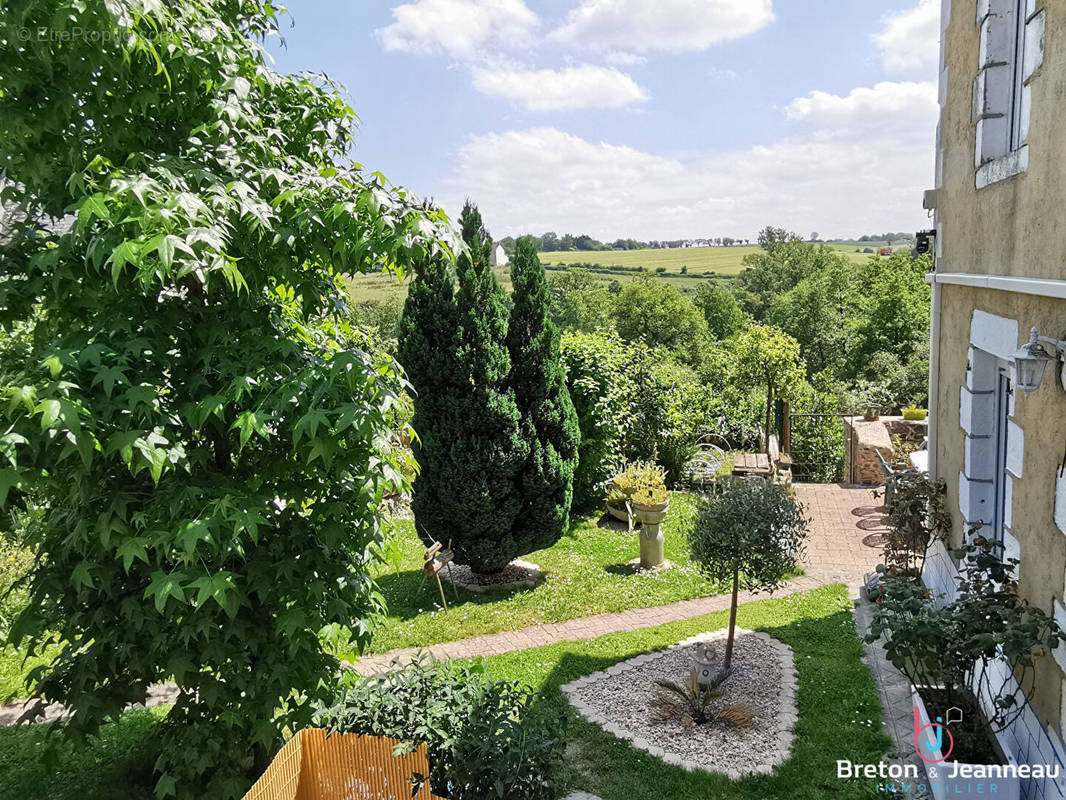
(551, 242)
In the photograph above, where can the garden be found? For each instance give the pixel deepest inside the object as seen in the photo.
(215, 475)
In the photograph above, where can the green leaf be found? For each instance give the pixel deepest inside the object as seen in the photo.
(49, 411)
(165, 586)
(9, 479)
(53, 365)
(81, 575)
(131, 550)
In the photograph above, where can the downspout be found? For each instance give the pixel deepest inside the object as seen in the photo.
(934, 372)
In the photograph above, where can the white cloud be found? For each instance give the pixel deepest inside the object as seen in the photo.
(836, 175)
(900, 106)
(910, 39)
(667, 25)
(584, 86)
(458, 28)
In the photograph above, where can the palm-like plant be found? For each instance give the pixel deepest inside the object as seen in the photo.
(689, 701)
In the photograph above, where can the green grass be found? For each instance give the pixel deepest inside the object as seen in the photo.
(586, 573)
(13, 669)
(115, 764)
(703, 263)
(839, 711)
(839, 718)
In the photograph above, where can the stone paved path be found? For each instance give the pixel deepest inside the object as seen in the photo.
(841, 518)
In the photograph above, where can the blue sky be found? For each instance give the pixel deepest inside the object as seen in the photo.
(665, 119)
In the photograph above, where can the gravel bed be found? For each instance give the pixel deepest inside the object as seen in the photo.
(619, 700)
(518, 574)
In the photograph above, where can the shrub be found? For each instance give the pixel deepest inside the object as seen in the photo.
(486, 739)
(599, 368)
(633, 404)
(751, 534)
(486, 450)
(549, 423)
(917, 516)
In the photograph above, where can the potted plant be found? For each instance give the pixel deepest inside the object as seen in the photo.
(983, 643)
(639, 495)
(914, 414)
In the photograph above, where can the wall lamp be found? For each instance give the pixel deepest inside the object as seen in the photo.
(1032, 359)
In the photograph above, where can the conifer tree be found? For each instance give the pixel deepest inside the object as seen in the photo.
(487, 450)
(549, 422)
(427, 348)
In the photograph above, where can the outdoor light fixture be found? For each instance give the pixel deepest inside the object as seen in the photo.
(1032, 359)
(924, 241)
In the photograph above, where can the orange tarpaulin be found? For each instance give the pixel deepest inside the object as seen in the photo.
(345, 766)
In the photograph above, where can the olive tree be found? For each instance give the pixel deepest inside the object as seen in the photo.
(751, 534)
(209, 441)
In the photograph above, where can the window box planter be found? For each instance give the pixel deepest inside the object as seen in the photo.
(943, 787)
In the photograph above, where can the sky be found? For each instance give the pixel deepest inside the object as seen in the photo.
(651, 119)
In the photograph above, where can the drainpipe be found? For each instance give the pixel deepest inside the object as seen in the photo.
(934, 372)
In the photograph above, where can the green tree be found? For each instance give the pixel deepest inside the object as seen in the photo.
(549, 422)
(428, 349)
(769, 358)
(660, 316)
(750, 534)
(488, 449)
(721, 310)
(579, 301)
(209, 441)
(818, 313)
(784, 262)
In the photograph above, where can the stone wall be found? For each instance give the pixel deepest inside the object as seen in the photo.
(865, 439)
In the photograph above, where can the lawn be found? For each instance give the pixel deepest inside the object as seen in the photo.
(839, 711)
(839, 718)
(586, 573)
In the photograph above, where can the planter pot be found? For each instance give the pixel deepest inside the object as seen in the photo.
(618, 512)
(651, 515)
(943, 787)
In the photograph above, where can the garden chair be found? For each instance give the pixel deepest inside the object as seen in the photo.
(341, 766)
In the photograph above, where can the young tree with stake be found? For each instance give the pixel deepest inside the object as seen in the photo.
(752, 534)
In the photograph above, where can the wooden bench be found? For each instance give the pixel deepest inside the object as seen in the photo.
(751, 465)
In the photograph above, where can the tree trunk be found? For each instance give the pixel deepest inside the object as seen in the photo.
(728, 661)
(769, 411)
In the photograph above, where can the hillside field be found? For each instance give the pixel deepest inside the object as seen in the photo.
(704, 263)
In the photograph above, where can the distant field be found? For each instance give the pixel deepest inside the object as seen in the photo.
(703, 263)
(719, 260)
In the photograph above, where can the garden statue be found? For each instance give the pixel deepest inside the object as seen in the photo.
(706, 663)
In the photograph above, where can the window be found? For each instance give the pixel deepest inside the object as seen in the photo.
(1012, 44)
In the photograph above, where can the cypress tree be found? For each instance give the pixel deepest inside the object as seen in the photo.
(428, 340)
(550, 424)
(488, 449)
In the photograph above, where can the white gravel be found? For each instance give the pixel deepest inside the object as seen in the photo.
(518, 574)
(619, 699)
